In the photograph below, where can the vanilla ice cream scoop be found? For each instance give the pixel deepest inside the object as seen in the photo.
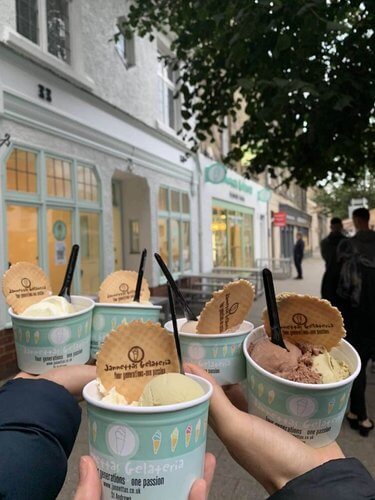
(53, 306)
(189, 327)
(170, 388)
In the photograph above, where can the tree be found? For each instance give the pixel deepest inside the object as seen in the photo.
(337, 197)
(302, 70)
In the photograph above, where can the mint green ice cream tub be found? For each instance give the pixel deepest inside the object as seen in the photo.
(220, 355)
(147, 453)
(45, 343)
(107, 317)
(311, 412)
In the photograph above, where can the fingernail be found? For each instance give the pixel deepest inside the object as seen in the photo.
(83, 468)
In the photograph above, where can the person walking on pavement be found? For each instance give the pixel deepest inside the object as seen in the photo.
(328, 250)
(357, 288)
(299, 247)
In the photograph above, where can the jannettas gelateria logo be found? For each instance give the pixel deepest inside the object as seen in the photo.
(299, 319)
(136, 354)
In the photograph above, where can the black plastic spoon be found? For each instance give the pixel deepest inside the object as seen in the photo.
(175, 328)
(273, 315)
(188, 313)
(140, 276)
(65, 289)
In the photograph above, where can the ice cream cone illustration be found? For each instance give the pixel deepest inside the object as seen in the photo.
(27, 336)
(86, 327)
(271, 397)
(342, 400)
(188, 435)
(156, 441)
(89, 425)
(113, 323)
(198, 430)
(215, 351)
(252, 381)
(120, 437)
(301, 407)
(225, 350)
(19, 335)
(79, 331)
(36, 337)
(174, 439)
(331, 404)
(232, 348)
(94, 431)
(260, 390)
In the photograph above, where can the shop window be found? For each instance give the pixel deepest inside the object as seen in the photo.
(232, 236)
(21, 171)
(87, 184)
(27, 19)
(174, 229)
(59, 179)
(47, 26)
(45, 216)
(169, 108)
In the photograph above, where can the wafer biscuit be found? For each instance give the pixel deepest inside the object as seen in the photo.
(227, 308)
(308, 319)
(25, 284)
(119, 288)
(133, 354)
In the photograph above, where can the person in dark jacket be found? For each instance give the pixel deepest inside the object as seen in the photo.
(357, 288)
(298, 250)
(328, 250)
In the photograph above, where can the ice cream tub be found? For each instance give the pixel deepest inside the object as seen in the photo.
(46, 342)
(144, 453)
(107, 317)
(220, 355)
(311, 412)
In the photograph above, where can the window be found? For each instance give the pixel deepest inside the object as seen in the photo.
(124, 43)
(59, 181)
(174, 229)
(21, 171)
(87, 184)
(58, 29)
(45, 215)
(27, 19)
(47, 26)
(168, 106)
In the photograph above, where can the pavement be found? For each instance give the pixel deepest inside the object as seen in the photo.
(231, 481)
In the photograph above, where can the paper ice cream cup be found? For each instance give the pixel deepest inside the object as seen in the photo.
(311, 412)
(107, 317)
(220, 355)
(144, 453)
(45, 343)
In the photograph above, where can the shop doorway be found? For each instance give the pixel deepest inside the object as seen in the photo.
(59, 233)
(22, 233)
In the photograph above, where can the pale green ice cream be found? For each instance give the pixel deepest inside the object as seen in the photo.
(170, 388)
(329, 368)
(50, 307)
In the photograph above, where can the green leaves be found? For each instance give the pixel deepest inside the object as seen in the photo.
(289, 63)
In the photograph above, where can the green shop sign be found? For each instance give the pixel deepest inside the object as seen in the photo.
(264, 195)
(217, 174)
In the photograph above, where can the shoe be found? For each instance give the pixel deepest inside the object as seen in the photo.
(364, 431)
(373, 367)
(298, 278)
(353, 422)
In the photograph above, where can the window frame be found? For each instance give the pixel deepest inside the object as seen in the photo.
(128, 57)
(42, 31)
(162, 75)
(181, 217)
(42, 201)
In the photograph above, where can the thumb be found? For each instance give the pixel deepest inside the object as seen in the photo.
(89, 486)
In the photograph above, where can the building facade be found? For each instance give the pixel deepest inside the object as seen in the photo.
(95, 159)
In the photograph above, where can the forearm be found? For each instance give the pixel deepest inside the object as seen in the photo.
(272, 456)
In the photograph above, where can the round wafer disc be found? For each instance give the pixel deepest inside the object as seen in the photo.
(119, 287)
(25, 284)
(308, 319)
(227, 308)
(133, 354)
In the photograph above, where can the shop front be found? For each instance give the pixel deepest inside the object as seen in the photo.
(296, 221)
(233, 218)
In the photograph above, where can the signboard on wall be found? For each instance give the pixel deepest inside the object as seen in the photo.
(279, 219)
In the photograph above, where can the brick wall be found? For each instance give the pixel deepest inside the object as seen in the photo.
(8, 362)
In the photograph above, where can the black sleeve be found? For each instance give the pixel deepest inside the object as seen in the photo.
(342, 479)
(39, 421)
